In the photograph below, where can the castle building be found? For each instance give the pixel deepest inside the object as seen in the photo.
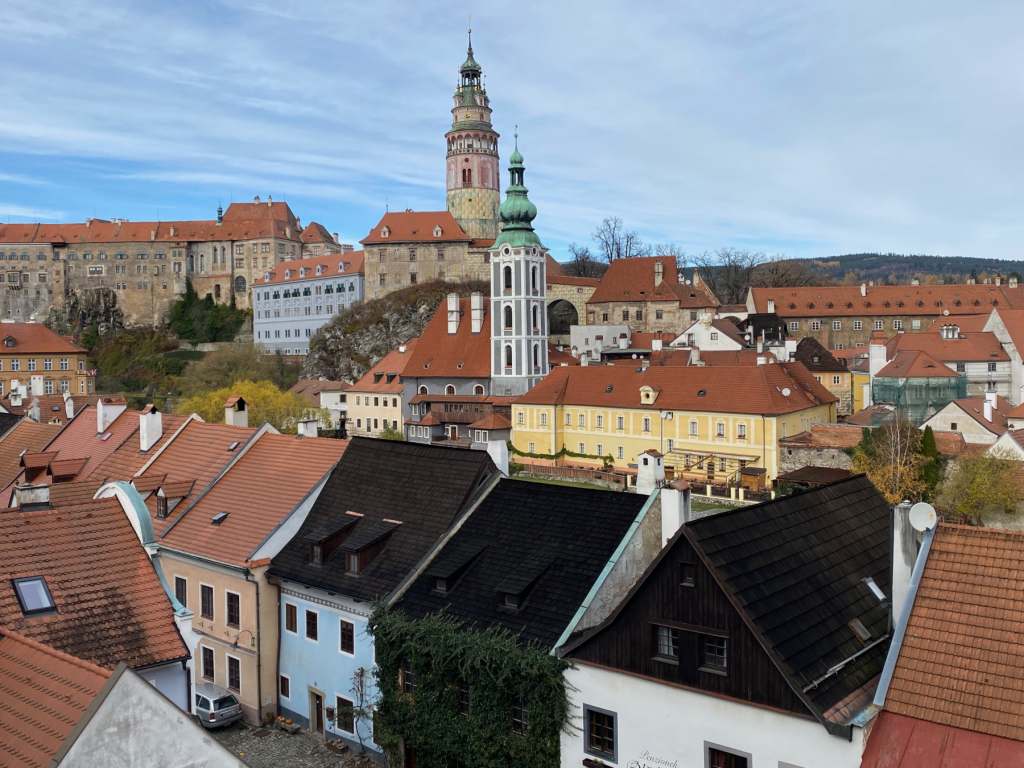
(410, 247)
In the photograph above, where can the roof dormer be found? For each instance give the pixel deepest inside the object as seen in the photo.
(385, 232)
(648, 395)
(438, 231)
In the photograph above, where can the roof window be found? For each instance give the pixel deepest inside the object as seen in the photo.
(857, 627)
(233, 446)
(875, 589)
(33, 595)
(219, 518)
(104, 437)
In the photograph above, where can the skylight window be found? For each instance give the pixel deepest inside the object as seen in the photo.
(219, 518)
(857, 627)
(33, 595)
(233, 446)
(875, 589)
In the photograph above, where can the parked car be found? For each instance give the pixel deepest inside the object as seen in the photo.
(215, 706)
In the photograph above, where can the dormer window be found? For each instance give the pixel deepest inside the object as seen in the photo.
(437, 231)
(34, 595)
(10, 341)
(353, 563)
(287, 274)
(385, 232)
(510, 601)
(161, 507)
(316, 555)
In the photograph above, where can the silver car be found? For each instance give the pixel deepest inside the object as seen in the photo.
(215, 706)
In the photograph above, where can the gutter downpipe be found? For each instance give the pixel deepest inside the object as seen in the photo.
(901, 628)
(605, 572)
(259, 650)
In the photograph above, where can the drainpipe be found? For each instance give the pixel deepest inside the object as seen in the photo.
(259, 655)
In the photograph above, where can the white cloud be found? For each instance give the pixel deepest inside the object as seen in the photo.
(10, 211)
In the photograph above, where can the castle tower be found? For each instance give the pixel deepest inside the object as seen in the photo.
(519, 333)
(472, 164)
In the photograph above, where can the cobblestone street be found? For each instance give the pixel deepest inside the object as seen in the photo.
(273, 748)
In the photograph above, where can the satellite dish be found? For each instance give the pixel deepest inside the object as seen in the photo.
(786, 392)
(923, 517)
(945, 312)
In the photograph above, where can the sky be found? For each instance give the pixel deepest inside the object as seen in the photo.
(802, 129)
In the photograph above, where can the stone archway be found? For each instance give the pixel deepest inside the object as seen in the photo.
(561, 315)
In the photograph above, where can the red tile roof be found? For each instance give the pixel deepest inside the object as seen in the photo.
(45, 693)
(897, 741)
(258, 492)
(916, 365)
(51, 407)
(725, 357)
(633, 280)
(111, 605)
(315, 232)
(825, 436)
(79, 438)
(24, 436)
(34, 338)
(331, 265)
(966, 323)
(392, 365)
(645, 340)
(975, 408)
(492, 421)
(969, 347)
(725, 389)
(128, 459)
(462, 355)
(556, 357)
(845, 300)
(959, 664)
(416, 227)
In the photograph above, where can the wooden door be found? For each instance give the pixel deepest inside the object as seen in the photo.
(316, 711)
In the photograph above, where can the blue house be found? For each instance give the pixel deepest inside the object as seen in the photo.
(385, 510)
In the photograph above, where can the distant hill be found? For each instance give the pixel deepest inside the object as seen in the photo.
(901, 268)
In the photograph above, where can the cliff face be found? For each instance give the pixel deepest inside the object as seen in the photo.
(357, 338)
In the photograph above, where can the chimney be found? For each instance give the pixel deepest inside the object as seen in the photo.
(993, 398)
(16, 393)
(876, 356)
(151, 427)
(762, 359)
(36, 384)
(645, 363)
(1011, 281)
(675, 508)
(656, 345)
(623, 342)
(476, 305)
(498, 451)
(771, 306)
(453, 313)
(909, 523)
(307, 428)
(659, 273)
(915, 281)
(172, 231)
(336, 238)
(69, 405)
(401, 349)
(863, 289)
(235, 412)
(152, 234)
(695, 356)
(998, 280)
(29, 496)
(220, 215)
(972, 280)
(988, 410)
(108, 409)
(650, 472)
(33, 411)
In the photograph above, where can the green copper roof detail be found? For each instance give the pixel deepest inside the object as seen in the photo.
(470, 65)
(517, 212)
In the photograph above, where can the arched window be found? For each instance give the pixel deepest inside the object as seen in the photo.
(508, 317)
(202, 262)
(239, 284)
(216, 292)
(507, 279)
(449, 389)
(467, 177)
(536, 358)
(478, 389)
(508, 358)
(533, 280)
(423, 389)
(536, 319)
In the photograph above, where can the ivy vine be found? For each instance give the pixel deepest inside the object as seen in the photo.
(607, 460)
(453, 665)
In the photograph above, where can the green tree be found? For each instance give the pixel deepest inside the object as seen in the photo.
(266, 404)
(977, 486)
(237, 361)
(891, 457)
(391, 434)
(203, 320)
(932, 465)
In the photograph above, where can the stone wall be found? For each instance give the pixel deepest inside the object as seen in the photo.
(395, 266)
(793, 458)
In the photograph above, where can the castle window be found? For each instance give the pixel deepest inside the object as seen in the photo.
(507, 279)
(507, 312)
(533, 280)
(508, 358)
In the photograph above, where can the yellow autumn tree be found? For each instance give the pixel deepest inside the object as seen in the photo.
(265, 402)
(891, 457)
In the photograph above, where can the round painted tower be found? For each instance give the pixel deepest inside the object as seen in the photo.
(472, 177)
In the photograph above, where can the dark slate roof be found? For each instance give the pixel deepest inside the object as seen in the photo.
(546, 542)
(815, 357)
(404, 496)
(8, 420)
(795, 566)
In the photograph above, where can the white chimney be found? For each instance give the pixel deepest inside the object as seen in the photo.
(1012, 281)
(498, 451)
(988, 410)
(17, 392)
(659, 273)
(998, 280)
(675, 508)
(771, 306)
(656, 345)
(623, 342)
(863, 289)
(453, 313)
(307, 428)
(761, 359)
(876, 356)
(650, 472)
(151, 427)
(108, 409)
(69, 405)
(36, 384)
(992, 397)
(695, 356)
(476, 307)
(30, 496)
(236, 414)
(915, 281)
(401, 349)
(33, 411)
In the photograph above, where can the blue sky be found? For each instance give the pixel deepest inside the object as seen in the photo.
(800, 128)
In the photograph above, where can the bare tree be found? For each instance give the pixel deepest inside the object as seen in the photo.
(728, 272)
(583, 262)
(783, 273)
(615, 242)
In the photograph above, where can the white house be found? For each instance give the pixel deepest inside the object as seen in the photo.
(711, 335)
(981, 420)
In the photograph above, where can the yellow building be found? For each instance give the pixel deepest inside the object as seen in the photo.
(43, 361)
(710, 423)
(376, 402)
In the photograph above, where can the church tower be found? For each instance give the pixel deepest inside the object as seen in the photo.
(519, 333)
(472, 164)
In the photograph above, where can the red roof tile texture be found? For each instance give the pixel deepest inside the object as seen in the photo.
(459, 355)
(724, 389)
(24, 436)
(45, 693)
(846, 300)
(314, 232)
(258, 492)
(331, 265)
(975, 408)
(916, 365)
(385, 375)
(416, 227)
(110, 604)
(79, 438)
(34, 338)
(959, 664)
(634, 280)
(896, 741)
(967, 347)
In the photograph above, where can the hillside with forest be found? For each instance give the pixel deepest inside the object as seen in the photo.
(901, 268)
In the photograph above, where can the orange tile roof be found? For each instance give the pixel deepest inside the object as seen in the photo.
(128, 459)
(845, 300)
(111, 605)
(644, 340)
(975, 408)
(79, 438)
(720, 389)
(24, 436)
(416, 227)
(557, 357)
(492, 420)
(45, 694)
(393, 363)
(633, 280)
(966, 323)
(1013, 319)
(314, 232)
(731, 357)
(259, 492)
(959, 664)
(825, 436)
(915, 364)
(35, 338)
(462, 355)
(969, 347)
(51, 407)
(331, 265)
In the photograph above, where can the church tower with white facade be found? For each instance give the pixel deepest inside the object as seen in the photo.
(519, 334)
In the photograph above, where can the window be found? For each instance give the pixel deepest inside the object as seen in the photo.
(345, 713)
(208, 670)
(720, 429)
(543, 419)
(520, 418)
(858, 325)
(815, 325)
(687, 575)
(284, 687)
(897, 325)
(347, 644)
(794, 325)
(599, 734)
(837, 325)
(961, 367)
(206, 595)
(234, 674)
(599, 421)
(619, 422)
(693, 429)
(836, 379)
(291, 620)
(992, 367)
(233, 610)
(583, 447)
(647, 424)
(582, 420)
(714, 335)
(47, 364)
(311, 624)
(878, 325)
(32, 364)
(666, 644)
(659, 314)
(714, 654)
(520, 717)
(625, 314)
(181, 590)
(741, 431)
(916, 324)
(720, 757)
(33, 595)
(619, 453)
